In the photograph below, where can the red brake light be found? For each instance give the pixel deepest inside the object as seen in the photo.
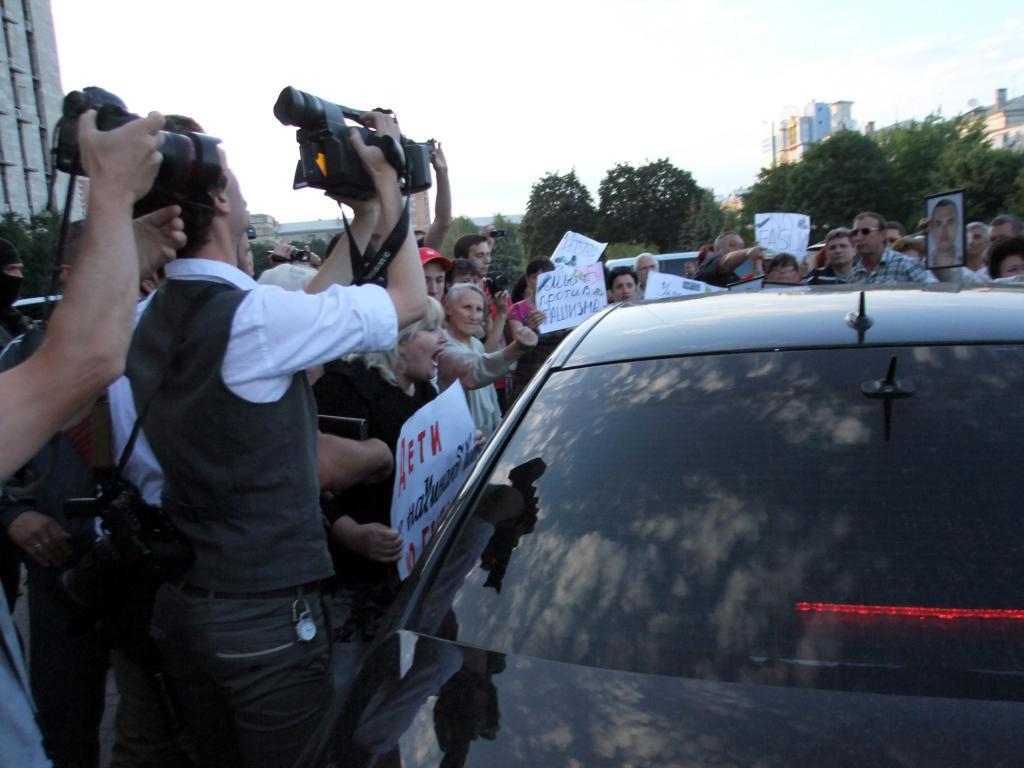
(918, 612)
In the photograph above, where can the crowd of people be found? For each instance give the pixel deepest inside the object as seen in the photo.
(257, 421)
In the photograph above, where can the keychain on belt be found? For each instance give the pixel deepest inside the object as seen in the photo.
(305, 627)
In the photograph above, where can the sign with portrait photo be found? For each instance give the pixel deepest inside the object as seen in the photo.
(946, 236)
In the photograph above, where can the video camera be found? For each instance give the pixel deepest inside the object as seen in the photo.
(190, 160)
(327, 159)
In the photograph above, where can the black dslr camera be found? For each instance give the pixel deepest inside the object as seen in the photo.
(327, 159)
(139, 545)
(496, 283)
(190, 160)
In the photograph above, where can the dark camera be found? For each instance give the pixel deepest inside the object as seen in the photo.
(496, 284)
(499, 233)
(327, 159)
(190, 160)
(139, 542)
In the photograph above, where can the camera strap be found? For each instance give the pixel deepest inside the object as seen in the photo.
(371, 267)
(179, 339)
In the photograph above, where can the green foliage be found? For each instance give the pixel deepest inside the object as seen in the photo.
(1015, 200)
(703, 222)
(839, 178)
(627, 250)
(462, 225)
(986, 175)
(36, 242)
(912, 152)
(260, 259)
(645, 203)
(771, 192)
(558, 203)
(507, 257)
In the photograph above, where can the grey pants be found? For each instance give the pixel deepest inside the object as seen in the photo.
(250, 691)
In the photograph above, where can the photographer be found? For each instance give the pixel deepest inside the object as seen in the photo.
(231, 422)
(84, 349)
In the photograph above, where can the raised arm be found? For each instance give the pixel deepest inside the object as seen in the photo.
(87, 339)
(442, 202)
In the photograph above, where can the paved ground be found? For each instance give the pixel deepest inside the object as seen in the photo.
(107, 728)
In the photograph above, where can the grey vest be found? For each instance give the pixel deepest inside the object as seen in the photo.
(240, 477)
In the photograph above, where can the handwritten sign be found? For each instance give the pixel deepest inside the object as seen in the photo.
(435, 451)
(568, 296)
(783, 232)
(577, 250)
(662, 285)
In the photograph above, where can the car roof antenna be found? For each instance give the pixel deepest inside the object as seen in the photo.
(887, 390)
(859, 320)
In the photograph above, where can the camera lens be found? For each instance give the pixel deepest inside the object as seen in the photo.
(298, 108)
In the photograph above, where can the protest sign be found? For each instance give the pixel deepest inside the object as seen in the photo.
(783, 232)
(435, 451)
(661, 285)
(568, 296)
(575, 250)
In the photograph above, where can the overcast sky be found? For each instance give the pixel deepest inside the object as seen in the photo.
(514, 90)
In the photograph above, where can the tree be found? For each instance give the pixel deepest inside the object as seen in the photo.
(773, 191)
(35, 240)
(461, 225)
(986, 175)
(627, 250)
(913, 153)
(558, 203)
(1014, 202)
(839, 178)
(507, 257)
(703, 222)
(645, 204)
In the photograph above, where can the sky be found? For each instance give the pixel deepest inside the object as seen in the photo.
(517, 90)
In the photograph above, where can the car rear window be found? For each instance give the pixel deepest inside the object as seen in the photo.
(759, 517)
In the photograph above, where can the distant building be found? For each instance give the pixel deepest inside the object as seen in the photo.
(265, 226)
(30, 104)
(307, 231)
(1004, 122)
(790, 137)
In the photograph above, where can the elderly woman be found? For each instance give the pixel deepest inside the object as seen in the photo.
(464, 309)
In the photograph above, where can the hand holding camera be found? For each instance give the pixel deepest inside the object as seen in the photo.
(123, 161)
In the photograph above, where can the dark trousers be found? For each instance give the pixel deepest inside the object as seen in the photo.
(250, 692)
(68, 671)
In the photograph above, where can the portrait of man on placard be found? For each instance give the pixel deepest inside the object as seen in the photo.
(946, 233)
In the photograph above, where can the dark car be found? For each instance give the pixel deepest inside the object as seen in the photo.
(741, 530)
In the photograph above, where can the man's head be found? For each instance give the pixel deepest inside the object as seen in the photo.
(838, 248)
(1005, 225)
(621, 284)
(868, 234)
(435, 267)
(11, 273)
(727, 242)
(977, 239)
(894, 230)
(464, 271)
(645, 264)
(944, 233)
(477, 249)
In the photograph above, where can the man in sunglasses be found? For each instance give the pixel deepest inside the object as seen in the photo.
(876, 262)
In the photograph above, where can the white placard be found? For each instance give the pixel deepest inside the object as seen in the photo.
(662, 285)
(783, 232)
(435, 451)
(576, 250)
(568, 296)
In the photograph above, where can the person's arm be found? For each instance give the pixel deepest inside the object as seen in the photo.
(342, 462)
(477, 370)
(442, 202)
(406, 285)
(496, 329)
(88, 337)
(731, 261)
(337, 266)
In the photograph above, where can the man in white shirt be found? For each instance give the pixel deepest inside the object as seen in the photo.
(217, 367)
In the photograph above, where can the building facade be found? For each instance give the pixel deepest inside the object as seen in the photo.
(30, 104)
(790, 137)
